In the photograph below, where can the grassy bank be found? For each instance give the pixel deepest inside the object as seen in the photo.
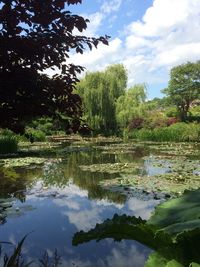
(179, 132)
(8, 141)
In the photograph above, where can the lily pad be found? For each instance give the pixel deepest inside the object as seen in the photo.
(179, 214)
(111, 167)
(21, 162)
(166, 183)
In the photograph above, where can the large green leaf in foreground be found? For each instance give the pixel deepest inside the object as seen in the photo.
(173, 231)
(179, 214)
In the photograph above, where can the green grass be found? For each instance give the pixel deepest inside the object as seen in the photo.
(8, 144)
(179, 132)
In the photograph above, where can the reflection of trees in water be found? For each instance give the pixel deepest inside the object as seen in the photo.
(90, 180)
(172, 231)
(168, 252)
(54, 174)
(15, 181)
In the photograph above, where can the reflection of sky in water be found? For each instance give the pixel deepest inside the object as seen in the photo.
(54, 221)
(149, 168)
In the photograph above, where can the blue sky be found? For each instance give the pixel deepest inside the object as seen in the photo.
(148, 36)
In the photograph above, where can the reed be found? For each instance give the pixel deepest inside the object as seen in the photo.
(179, 132)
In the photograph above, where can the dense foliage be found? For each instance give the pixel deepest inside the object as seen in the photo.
(130, 106)
(111, 108)
(172, 232)
(35, 36)
(100, 91)
(184, 87)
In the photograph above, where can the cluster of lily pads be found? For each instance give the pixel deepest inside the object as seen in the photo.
(111, 168)
(175, 170)
(21, 162)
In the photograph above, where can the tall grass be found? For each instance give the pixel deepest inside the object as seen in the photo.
(16, 259)
(179, 132)
(8, 142)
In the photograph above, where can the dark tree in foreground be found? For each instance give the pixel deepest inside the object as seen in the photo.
(184, 87)
(36, 36)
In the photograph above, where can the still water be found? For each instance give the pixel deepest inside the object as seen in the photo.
(54, 201)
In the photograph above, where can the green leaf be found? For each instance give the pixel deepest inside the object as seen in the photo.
(178, 215)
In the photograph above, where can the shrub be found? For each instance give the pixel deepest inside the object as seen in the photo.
(8, 141)
(43, 124)
(8, 144)
(34, 134)
(171, 112)
(155, 119)
(136, 123)
(171, 121)
(178, 132)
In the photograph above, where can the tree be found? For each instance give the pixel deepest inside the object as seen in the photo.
(130, 105)
(184, 87)
(35, 36)
(100, 91)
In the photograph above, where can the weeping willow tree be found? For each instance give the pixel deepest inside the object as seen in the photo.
(131, 104)
(100, 91)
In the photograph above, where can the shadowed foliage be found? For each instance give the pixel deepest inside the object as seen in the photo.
(36, 36)
(173, 231)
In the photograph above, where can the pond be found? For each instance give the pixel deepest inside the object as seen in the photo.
(77, 188)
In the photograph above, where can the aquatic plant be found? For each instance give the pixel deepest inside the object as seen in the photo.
(16, 259)
(21, 162)
(173, 231)
(111, 167)
(178, 132)
(8, 144)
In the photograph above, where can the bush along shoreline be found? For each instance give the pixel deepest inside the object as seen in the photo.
(178, 132)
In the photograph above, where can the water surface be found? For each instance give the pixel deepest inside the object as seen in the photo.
(57, 199)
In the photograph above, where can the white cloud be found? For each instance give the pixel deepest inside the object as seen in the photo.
(141, 208)
(178, 54)
(136, 42)
(164, 16)
(120, 255)
(132, 258)
(95, 23)
(111, 6)
(98, 59)
(168, 34)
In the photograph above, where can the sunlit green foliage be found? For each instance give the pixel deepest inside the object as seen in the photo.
(184, 86)
(99, 91)
(178, 132)
(173, 231)
(131, 104)
(8, 142)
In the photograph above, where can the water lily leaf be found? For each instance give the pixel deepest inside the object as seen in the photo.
(156, 259)
(21, 162)
(194, 264)
(178, 215)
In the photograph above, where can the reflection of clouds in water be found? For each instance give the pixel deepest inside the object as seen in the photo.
(141, 208)
(84, 220)
(69, 191)
(72, 190)
(69, 203)
(129, 256)
(107, 202)
(76, 263)
(12, 239)
(85, 214)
